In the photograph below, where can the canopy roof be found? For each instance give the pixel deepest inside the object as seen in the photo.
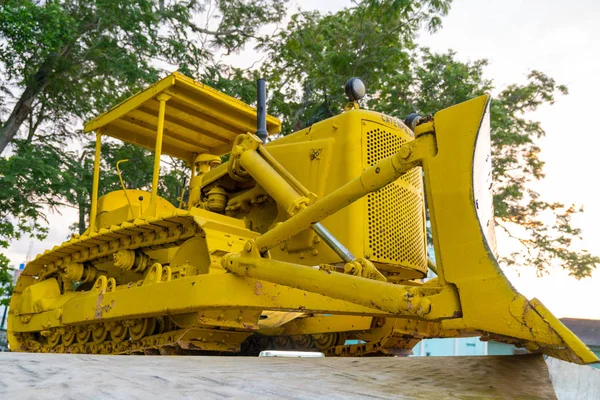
(198, 119)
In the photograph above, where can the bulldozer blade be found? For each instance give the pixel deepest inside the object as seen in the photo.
(458, 181)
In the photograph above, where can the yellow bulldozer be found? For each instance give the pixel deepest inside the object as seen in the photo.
(313, 241)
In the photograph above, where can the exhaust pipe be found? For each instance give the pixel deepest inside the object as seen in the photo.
(261, 110)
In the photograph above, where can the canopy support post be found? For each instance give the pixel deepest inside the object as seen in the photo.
(95, 181)
(162, 99)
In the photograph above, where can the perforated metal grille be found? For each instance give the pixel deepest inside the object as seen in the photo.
(395, 213)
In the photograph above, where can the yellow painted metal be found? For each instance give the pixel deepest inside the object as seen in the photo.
(272, 320)
(291, 179)
(123, 184)
(118, 206)
(320, 324)
(199, 119)
(372, 179)
(95, 181)
(200, 280)
(162, 100)
(395, 299)
(387, 227)
(461, 214)
(465, 256)
(191, 294)
(246, 149)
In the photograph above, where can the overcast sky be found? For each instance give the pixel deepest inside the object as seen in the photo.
(558, 38)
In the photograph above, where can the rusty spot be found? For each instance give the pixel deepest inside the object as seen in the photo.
(192, 346)
(98, 313)
(258, 288)
(315, 154)
(457, 314)
(423, 120)
(100, 309)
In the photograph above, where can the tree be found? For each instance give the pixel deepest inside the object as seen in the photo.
(64, 61)
(375, 40)
(6, 286)
(309, 62)
(311, 59)
(76, 58)
(28, 183)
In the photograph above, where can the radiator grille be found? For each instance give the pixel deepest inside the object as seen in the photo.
(395, 213)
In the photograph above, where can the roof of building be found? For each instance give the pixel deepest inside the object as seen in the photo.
(588, 330)
(198, 119)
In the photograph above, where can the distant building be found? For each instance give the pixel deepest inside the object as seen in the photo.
(463, 347)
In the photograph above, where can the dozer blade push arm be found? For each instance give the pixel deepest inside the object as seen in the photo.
(472, 294)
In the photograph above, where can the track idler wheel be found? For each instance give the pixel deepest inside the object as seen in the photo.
(138, 329)
(142, 327)
(152, 326)
(68, 337)
(324, 341)
(99, 333)
(83, 334)
(283, 342)
(303, 342)
(53, 338)
(118, 332)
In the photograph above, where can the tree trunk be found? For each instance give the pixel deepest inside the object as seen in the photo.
(17, 116)
(23, 107)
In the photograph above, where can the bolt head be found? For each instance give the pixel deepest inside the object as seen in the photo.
(405, 152)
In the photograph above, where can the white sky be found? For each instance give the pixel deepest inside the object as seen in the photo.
(560, 39)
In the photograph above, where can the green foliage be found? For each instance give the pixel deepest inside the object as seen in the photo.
(77, 58)
(516, 163)
(375, 40)
(28, 183)
(6, 286)
(311, 59)
(69, 60)
(64, 61)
